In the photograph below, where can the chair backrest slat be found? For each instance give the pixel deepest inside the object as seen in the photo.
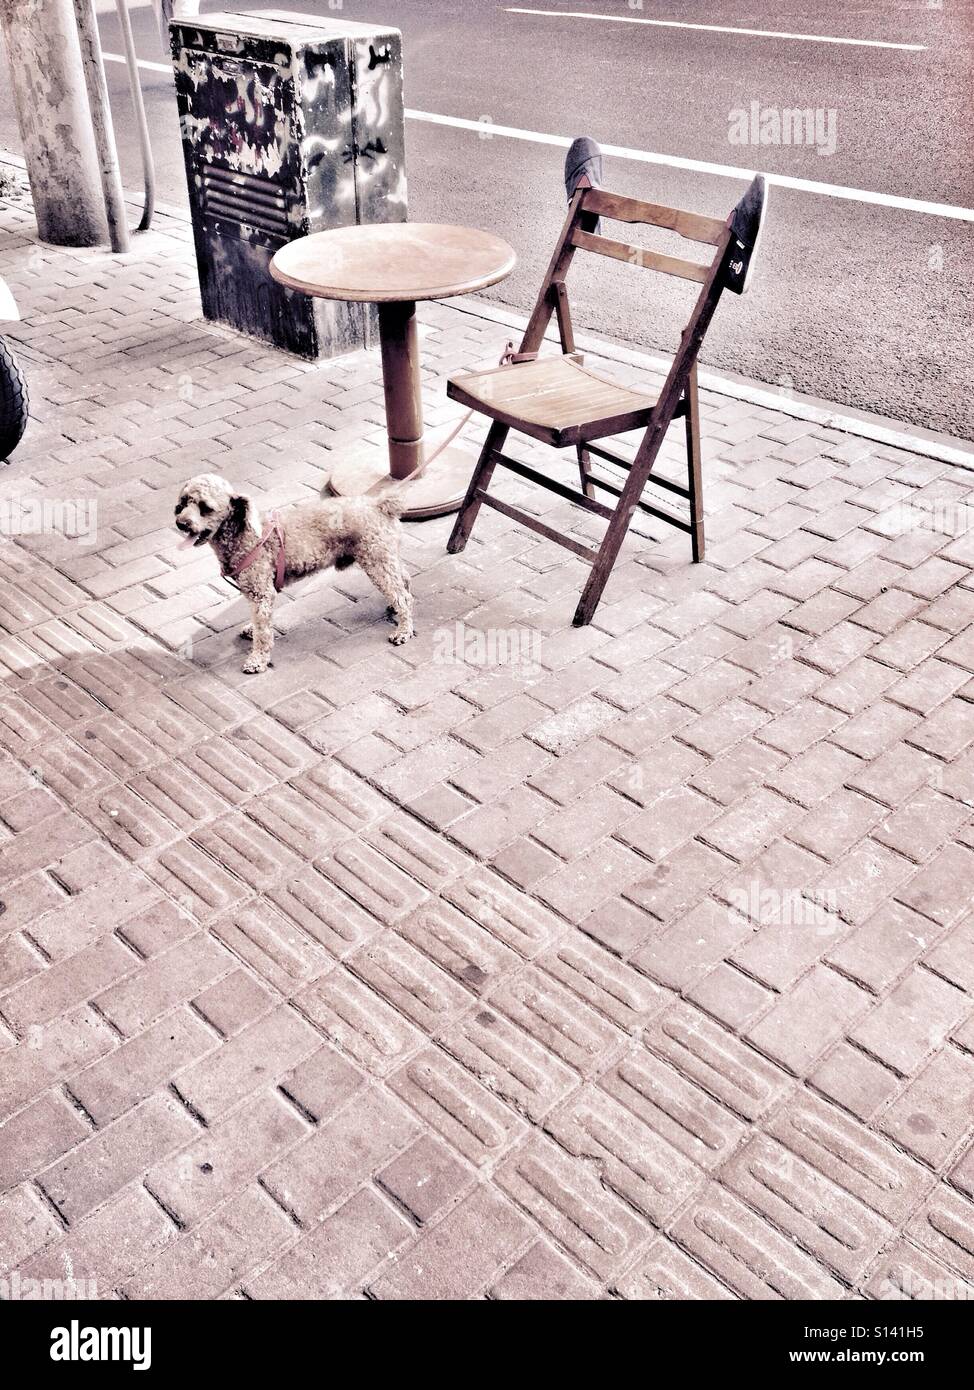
(640, 256)
(691, 225)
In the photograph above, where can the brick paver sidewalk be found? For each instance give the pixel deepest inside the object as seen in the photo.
(521, 961)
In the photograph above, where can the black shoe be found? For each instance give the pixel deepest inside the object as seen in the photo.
(584, 160)
(747, 224)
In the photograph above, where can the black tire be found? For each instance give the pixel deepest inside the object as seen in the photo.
(13, 401)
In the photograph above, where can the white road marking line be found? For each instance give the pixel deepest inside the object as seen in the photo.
(721, 29)
(699, 166)
(728, 171)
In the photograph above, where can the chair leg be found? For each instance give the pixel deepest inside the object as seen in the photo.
(616, 532)
(482, 474)
(695, 483)
(584, 464)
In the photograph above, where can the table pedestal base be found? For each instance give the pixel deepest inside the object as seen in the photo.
(436, 492)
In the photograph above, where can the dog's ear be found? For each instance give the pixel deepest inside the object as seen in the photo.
(240, 511)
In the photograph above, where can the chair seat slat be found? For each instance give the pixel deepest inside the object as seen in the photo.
(556, 399)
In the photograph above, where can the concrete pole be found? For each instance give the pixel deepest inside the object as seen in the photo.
(44, 60)
(93, 68)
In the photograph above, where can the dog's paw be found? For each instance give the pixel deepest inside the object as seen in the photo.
(398, 638)
(246, 634)
(255, 664)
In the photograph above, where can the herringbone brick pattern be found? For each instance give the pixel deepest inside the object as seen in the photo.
(519, 962)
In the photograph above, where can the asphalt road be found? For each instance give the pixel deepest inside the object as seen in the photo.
(860, 302)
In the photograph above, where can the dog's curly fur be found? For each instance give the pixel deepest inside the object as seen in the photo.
(335, 531)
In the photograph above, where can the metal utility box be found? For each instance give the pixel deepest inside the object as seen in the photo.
(291, 124)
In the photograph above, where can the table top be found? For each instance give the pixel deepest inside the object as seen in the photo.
(393, 262)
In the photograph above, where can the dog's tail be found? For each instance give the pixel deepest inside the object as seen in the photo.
(391, 502)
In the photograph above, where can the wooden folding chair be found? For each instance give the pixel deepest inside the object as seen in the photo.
(561, 401)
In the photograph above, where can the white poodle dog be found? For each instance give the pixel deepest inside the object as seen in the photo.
(306, 538)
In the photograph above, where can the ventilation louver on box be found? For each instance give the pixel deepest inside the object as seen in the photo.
(246, 203)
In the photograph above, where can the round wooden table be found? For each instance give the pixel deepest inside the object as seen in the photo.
(394, 265)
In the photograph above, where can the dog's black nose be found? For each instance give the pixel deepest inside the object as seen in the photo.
(182, 525)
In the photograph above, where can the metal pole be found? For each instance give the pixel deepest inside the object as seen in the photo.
(44, 59)
(101, 122)
(172, 9)
(135, 86)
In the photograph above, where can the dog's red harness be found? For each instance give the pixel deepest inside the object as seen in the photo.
(274, 527)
